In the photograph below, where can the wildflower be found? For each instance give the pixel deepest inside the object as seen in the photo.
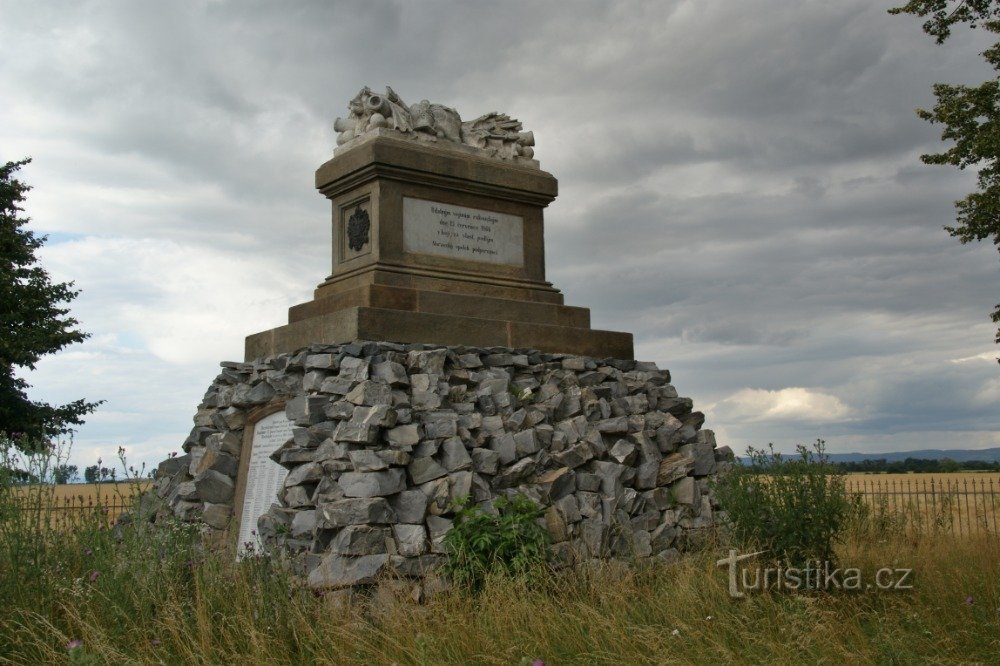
(94, 575)
(74, 644)
(969, 600)
(88, 552)
(675, 632)
(155, 642)
(709, 617)
(538, 662)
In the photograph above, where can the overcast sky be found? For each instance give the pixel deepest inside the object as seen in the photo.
(740, 187)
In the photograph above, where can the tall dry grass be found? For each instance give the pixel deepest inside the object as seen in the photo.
(679, 613)
(155, 594)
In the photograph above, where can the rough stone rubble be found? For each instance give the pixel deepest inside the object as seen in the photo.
(387, 436)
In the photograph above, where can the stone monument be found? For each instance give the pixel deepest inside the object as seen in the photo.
(438, 237)
(436, 364)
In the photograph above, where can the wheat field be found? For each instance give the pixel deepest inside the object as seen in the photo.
(956, 502)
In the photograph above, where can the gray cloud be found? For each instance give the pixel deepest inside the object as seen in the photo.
(740, 187)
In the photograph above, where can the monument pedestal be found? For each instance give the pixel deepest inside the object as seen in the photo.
(437, 245)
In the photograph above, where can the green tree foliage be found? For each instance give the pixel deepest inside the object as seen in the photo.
(32, 323)
(64, 473)
(971, 118)
(917, 465)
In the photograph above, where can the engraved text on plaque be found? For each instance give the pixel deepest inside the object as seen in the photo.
(264, 477)
(430, 227)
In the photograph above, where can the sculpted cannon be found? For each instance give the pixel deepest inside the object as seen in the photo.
(494, 134)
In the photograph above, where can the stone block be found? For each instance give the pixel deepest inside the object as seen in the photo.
(485, 461)
(685, 491)
(303, 524)
(427, 469)
(373, 484)
(214, 487)
(575, 455)
(673, 467)
(217, 515)
(526, 443)
(557, 483)
(390, 372)
(360, 540)
(514, 474)
(454, 456)
(411, 540)
(624, 452)
(410, 506)
(366, 460)
(305, 473)
(357, 433)
(336, 571)
(403, 435)
(305, 410)
(382, 416)
(370, 393)
(438, 528)
(357, 511)
(504, 445)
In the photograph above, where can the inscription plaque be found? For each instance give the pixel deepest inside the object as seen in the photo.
(447, 230)
(264, 477)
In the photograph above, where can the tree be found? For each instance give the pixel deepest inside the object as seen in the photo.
(97, 473)
(971, 118)
(65, 473)
(32, 323)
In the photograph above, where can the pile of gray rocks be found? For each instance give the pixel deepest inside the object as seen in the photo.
(388, 436)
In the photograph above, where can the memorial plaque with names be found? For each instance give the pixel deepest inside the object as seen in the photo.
(264, 477)
(447, 230)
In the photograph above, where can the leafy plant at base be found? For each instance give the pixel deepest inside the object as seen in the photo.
(795, 508)
(510, 543)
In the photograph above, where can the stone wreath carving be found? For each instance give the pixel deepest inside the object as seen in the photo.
(493, 134)
(358, 227)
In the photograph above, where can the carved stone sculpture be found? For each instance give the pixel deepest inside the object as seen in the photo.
(493, 134)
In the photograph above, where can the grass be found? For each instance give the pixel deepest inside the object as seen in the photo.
(157, 595)
(159, 598)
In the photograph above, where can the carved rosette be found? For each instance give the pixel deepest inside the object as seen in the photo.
(358, 228)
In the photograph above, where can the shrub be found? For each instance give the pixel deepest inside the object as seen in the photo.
(511, 543)
(795, 508)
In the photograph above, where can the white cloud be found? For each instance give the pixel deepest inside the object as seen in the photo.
(787, 404)
(183, 303)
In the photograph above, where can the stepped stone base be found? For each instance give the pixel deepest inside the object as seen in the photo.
(376, 312)
(392, 281)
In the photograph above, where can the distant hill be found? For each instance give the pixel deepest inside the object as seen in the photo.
(958, 455)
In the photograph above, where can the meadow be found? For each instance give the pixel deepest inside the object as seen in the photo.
(156, 595)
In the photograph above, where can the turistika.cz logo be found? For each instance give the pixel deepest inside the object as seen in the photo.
(815, 575)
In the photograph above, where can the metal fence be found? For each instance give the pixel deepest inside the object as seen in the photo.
(68, 511)
(965, 506)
